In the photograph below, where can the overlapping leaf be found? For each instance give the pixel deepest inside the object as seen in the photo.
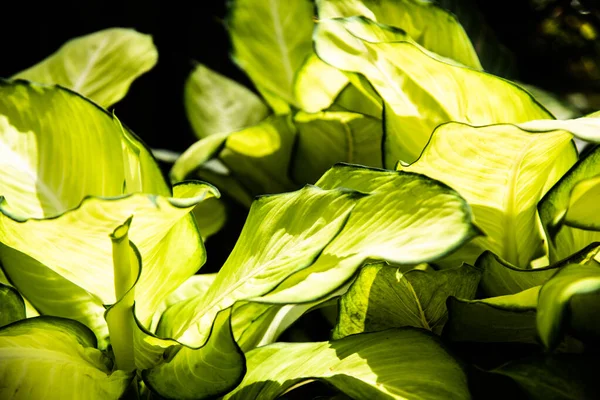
(394, 364)
(420, 90)
(382, 297)
(502, 171)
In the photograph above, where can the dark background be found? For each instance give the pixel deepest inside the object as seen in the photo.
(544, 35)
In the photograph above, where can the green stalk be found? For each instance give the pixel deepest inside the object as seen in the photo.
(119, 317)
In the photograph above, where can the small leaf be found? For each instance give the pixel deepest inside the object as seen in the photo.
(100, 66)
(216, 104)
(49, 355)
(12, 306)
(566, 240)
(382, 297)
(209, 371)
(556, 295)
(394, 364)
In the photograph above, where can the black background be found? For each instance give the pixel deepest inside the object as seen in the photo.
(195, 30)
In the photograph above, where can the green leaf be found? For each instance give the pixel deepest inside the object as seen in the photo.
(383, 297)
(209, 371)
(501, 278)
(584, 198)
(12, 306)
(509, 318)
(361, 98)
(271, 40)
(394, 364)
(217, 104)
(211, 216)
(566, 240)
(56, 357)
(100, 66)
(405, 219)
(47, 210)
(556, 295)
(560, 108)
(221, 177)
(585, 128)
(503, 172)
(199, 153)
(559, 376)
(428, 24)
(317, 84)
(327, 138)
(273, 244)
(259, 156)
(420, 89)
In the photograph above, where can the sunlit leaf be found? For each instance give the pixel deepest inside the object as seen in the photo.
(502, 171)
(216, 104)
(382, 297)
(100, 66)
(406, 219)
(271, 40)
(394, 364)
(553, 208)
(274, 243)
(317, 84)
(53, 357)
(420, 89)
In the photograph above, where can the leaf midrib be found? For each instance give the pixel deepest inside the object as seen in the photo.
(280, 41)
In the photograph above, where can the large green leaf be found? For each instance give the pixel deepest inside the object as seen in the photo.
(327, 138)
(553, 208)
(212, 370)
(556, 296)
(406, 219)
(47, 210)
(425, 22)
(394, 364)
(100, 66)
(216, 104)
(50, 357)
(383, 297)
(509, 318)
(502, 171)
(274, 243)
(420, 89)
(270, 40)
(559, 376)
(12, 306)
(317, 84)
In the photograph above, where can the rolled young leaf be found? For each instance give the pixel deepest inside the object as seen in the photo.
(394, 364)
(216, 104)
(406, 219)
(100, 66)
(503, 172)
(270, 41)
(382, 297)
(54, 357)
(420, 89)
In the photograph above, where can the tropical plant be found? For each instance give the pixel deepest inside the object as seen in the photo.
(442, 210)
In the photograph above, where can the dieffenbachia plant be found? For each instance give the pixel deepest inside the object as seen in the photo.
(480, 232)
